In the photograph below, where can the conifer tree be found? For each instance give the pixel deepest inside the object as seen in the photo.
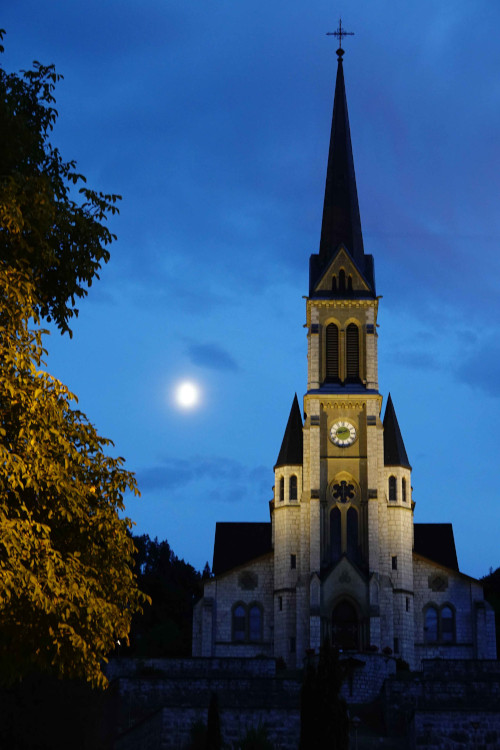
(324, 719)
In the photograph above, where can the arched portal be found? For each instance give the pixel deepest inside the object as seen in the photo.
(345, 627)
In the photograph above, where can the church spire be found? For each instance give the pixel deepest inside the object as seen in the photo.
(341, 220)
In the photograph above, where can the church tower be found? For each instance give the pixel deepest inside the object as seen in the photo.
(353, 577)
(341, 558)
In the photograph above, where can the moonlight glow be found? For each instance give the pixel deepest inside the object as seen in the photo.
(187, 395)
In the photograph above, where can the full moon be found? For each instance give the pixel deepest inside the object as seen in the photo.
(187, 395)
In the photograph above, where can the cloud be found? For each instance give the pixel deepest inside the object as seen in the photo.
(225, 480)
(480, 367)
(212, 356)
(421, 359)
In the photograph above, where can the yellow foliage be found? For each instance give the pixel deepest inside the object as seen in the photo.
(67, 590)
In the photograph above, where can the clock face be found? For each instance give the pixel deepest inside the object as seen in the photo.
(342, 433)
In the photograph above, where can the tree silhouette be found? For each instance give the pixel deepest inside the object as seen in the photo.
(324, 723)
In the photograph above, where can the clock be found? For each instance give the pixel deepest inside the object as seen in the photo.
(342, 433)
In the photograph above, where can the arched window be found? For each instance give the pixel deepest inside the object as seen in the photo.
(431, 625)
(334, 283)
(239, 623)
(393, 490)
(255, 623)
(335, 534)
(332, 352)
(293, 488)
(403, 487)
(282, 489)
(352, 534)
(352, 352)
(342, 280)
(447, 625)
(349, 283)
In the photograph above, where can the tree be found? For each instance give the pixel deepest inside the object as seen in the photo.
(491, 583)
(214, 738)
(48, 217)
(324, 721)
(67, 590)
(165, 628)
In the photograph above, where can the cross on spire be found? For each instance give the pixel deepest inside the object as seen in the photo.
(340, 32)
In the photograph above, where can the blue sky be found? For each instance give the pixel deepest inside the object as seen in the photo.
(212, 120)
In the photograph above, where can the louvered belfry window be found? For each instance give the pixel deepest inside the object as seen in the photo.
(352, 352)
(332, 352)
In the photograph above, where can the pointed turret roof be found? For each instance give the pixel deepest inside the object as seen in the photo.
(394, 447)
(291, 448)
(341, 224)
(341, 219)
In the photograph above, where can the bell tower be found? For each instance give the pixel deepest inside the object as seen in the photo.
(350, 542)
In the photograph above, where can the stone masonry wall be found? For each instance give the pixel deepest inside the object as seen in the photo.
(250, 584)
(170, 728)
(465, 596)
(441, 730)
(158, 700)
(451, 704)
(366, 675)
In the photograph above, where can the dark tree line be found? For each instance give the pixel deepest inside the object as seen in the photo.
(164, 629)
(491, 584)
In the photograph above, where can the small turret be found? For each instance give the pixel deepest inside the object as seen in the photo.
(292, 446)
(394, 447)
(286, 533)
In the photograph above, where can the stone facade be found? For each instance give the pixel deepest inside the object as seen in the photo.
(213, 621)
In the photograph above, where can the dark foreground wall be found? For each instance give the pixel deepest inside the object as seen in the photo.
(450, 704)
(156, 702)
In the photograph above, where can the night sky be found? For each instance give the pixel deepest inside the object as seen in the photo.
(212, 120)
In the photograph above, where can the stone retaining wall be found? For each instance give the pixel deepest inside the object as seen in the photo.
(440, 730)
(170, 728)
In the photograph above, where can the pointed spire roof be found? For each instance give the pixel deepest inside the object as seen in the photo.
(341, 219)
(341, 223)
(291, 448)
(394, 447)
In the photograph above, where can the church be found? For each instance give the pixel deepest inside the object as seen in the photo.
(341, 557)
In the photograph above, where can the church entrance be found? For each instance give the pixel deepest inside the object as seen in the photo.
(345, 627)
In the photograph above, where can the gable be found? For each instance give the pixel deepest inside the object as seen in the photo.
(343, 580)
(330, 279)
(237, 543)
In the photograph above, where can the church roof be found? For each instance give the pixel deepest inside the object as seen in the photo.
(394, 447)
(436, 542)
(291, 451)
(238, 543)
(341, 224)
